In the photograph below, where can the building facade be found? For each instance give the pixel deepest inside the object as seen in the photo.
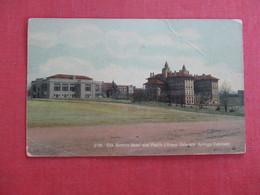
(65, 86)
(112, 90)
(206, 89)
(182, 88)
(109, 90)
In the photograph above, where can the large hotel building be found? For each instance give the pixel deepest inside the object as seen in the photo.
(182, 88)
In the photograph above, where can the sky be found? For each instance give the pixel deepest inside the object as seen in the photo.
(128, 50)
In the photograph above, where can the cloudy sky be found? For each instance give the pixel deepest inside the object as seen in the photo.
(126, 51)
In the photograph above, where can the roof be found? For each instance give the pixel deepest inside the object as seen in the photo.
(155, 76)
(179, 74)
(166, 65)
(106, 86)
(172, 74)
(66, 76)
(138, 90)
(154, 81)
(205, 77)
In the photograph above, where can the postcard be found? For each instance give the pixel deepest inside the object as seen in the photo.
(134, 87)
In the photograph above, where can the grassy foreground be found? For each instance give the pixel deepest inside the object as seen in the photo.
(237, 111)
(51, 113)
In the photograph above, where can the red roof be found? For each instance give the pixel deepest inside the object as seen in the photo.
(173, 74)
(138, 90)
(66, 76)
(155, 76)
(107, 85)
(205, 77)
(179, 74)
(155, 81)
(158, 75)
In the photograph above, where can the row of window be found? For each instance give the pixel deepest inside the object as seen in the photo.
(43, 87)
(64, 95)
(73, 95)
(214, 85)
(72, 87)
(88, 87)
(89, 96)
(190, 100)
(65, 87)
(188, 92)
(189, 86)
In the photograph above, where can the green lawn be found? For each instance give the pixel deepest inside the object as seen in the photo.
(50, 113)
(207, 110)
(237, 111)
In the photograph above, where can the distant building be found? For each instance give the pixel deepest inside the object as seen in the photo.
(139, 90)
(65, 86)
(182, 88)
(206, 89)
(240, 93)
(112, 90)
(123, 91)
(139, 94)
(109, 90)
(236, 99)
(241, 96)
(131, 89)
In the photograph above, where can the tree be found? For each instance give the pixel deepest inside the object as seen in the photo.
(225, 91)
(139, 96)
(199, 101)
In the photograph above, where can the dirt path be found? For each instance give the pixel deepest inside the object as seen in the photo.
(213, 137)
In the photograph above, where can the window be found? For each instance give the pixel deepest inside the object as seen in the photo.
(65, 87)
(97, 87)
(44, 87)
(34, 88)
(72, 87)
(56, 86)
(87, 87)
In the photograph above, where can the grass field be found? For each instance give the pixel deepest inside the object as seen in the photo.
(237, 111)
(51, 113)
(207, 110)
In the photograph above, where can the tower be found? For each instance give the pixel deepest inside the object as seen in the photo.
(165, 70)
(184, 70)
